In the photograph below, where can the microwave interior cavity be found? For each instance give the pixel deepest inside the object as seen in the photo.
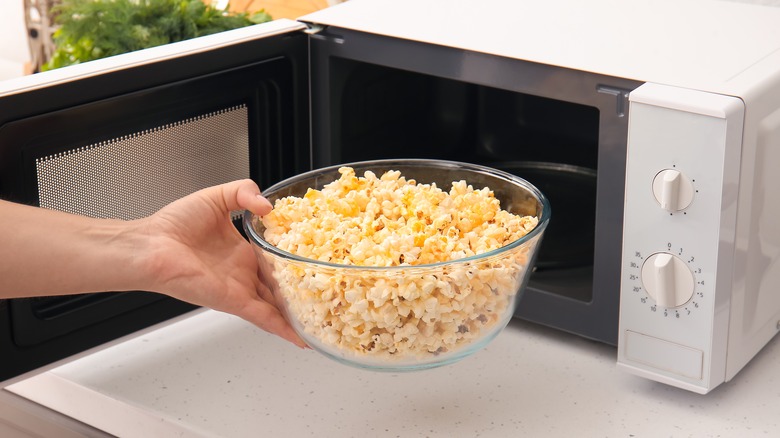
(389, 113)
(554, 139)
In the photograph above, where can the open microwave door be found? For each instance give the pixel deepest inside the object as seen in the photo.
(123, 136)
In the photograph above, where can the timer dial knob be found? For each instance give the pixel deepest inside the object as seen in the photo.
(667, 279)
(673, 190)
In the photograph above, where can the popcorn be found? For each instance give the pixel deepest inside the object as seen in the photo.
(389, 221)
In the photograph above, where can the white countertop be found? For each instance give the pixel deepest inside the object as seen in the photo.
(212, 374)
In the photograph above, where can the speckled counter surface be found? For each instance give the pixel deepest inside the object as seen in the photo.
(212, 374)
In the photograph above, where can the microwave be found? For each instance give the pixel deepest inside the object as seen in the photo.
(652, 127)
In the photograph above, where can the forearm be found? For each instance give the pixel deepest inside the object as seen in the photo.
(45, 252)
(189, 250)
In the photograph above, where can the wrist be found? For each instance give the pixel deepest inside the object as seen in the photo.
(102, 257)
(131, 252)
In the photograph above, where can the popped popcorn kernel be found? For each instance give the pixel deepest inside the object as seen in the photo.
(392, 221)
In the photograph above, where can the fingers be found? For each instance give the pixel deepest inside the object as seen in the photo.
(268, 318)
(265, 293)
(269, 300)
(240, 195)
(244, 195)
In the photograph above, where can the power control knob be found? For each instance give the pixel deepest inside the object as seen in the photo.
(673, 190)
(667, 279)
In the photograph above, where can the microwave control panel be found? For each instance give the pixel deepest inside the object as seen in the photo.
(681, 170)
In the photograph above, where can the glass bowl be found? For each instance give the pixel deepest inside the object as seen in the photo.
(403, 318)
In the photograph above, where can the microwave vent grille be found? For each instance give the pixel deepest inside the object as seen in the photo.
(133, 176)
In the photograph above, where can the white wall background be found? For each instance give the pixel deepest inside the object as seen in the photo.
(14, 51)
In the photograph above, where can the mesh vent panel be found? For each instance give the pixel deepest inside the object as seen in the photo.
(134, 176)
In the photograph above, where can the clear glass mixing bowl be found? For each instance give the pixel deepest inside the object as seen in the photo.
(455, 307)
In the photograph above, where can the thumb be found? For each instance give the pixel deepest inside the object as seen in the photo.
(245, 195)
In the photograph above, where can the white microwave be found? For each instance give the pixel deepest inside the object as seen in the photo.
(652, 126)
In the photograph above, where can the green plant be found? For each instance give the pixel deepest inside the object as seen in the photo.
(93, 29)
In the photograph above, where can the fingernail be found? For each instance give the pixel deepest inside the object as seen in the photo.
(266, 202)
(302, 345)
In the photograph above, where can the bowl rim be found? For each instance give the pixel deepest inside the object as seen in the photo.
(542, 223)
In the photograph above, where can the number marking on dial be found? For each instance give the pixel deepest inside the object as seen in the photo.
(667, 281)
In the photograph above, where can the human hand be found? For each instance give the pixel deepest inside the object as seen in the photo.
(193, 252)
